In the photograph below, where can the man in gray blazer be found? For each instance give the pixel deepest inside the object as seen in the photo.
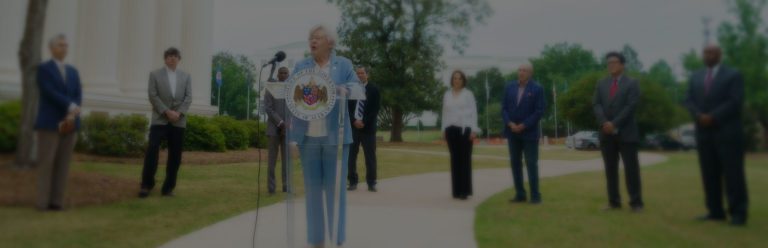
(715, 99)
(275, 109)
(170, 93)
(614, 103)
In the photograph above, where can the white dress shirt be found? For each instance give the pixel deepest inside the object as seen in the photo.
(62, 69)
(171, 80)
(460, 111)
(317, 128)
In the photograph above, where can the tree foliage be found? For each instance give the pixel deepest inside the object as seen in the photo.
(401, 41)
(237, 74)
(496, 84)
(656, 111)
(745, 46)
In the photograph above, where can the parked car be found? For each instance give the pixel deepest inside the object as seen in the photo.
(662, 142)
(583, 140)
(688, 139)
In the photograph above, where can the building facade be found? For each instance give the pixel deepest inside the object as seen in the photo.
(115, 44)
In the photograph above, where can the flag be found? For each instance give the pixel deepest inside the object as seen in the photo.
(218, 76)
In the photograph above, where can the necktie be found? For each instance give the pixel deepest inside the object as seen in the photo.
(708, 81)
(359, 110)
(614, 87)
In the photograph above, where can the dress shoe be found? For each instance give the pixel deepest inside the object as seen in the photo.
(372, 188)
(352, 187)
(144, 193)
(738, 221)
(707, 217)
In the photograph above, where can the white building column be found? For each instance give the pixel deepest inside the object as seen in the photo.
(197, 45)
(99, 43)
(61, 18)
(168, 31)
(137, 51)
(11, 30)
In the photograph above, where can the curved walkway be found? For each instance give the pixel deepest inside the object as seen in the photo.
(408, 211)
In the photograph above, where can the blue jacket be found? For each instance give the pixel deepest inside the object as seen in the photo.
(528, 112)
(56, 95)
(342, 72)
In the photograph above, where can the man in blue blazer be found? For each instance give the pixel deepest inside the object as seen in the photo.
(56, 124)
(522, 107)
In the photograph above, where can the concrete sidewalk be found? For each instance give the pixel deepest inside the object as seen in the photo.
(408, 211)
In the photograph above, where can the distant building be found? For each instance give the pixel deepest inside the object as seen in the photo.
(115, 44)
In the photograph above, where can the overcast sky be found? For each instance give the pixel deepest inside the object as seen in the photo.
(658, 29)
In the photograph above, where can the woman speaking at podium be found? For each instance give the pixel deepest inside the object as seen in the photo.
(319, 134)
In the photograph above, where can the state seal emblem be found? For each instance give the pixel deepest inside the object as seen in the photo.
(311, 94)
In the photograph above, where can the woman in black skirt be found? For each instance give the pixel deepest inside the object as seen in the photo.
(459, 125)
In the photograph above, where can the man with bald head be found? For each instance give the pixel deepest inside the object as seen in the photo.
(715, 97)
(276, 110)
(522, 107)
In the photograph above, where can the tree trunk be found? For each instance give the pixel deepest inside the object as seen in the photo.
(29, 58)
(397, 126)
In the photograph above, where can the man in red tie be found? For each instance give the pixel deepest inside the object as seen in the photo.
(614, 103)
(714, 99)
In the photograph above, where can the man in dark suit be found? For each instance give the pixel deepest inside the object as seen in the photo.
(522, 107)
(58, 119)
(715, 98)
(363, 114)
(170, 93)
(614, 103)
(275, 109)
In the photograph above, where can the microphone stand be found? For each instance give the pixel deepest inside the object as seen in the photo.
(260, 107)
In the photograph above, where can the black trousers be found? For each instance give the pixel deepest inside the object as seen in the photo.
(723, 162)
(368, 141)
(175, 138)
(612, 147)
(460, 148)
(276, 143)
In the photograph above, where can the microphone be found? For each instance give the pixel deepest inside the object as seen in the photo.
(279, 57)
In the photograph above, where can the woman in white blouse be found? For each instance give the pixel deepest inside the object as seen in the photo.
(459, 125)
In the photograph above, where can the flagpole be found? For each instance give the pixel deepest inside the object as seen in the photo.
(554, 93)
(248, 96)
(218, 85)
(487, 102)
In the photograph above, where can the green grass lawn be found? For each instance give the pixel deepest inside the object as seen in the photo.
(414, 136)
(205, 195)
(571, 214)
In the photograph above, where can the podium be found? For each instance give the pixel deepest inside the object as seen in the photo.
(318, 135)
